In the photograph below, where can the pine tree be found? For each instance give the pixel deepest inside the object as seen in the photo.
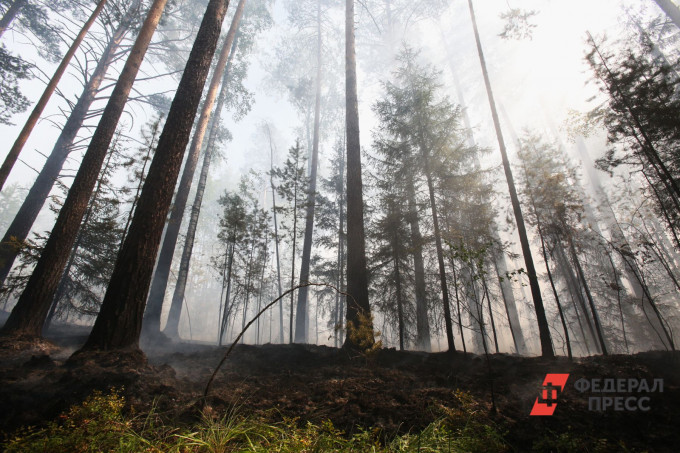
(29, 314)
(358, 307)
(120, 320)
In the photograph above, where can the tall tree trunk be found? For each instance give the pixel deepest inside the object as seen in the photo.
(302, 321)
(440, 250)
(596, 317)
(61, 289)
(246, 296)
(671, 10)
(493, 323)
(10, 15)
(422, 321)
(276, 232)
(227, 306)
(260, 292)
(172, 325)
(576, 294)
(140, 183)
(120, 320)
(29, 314)
(357, 273)
(152, 318)
(35, 199)
(292, 266)
(33, 118)
(557, 297)
(341, 249)
(500, 265)
(395, 212)
(502, 285)
(455, 286)
(543, 329)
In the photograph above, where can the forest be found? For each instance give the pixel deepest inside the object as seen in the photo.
(339, 225)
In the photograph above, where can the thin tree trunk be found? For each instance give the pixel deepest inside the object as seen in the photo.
(10, 15)
(120, 320)
(440, 252)
(493, 323)
(172, 324)
(455, 286)
(576, 295)
(29, 314)
(357, 274)
(500, 265)
(260, 291)
(74, 252)
(543, 328)
(649, 150)
(276, 231)
(33, 118)
(224, 285)
(596, 318)
(140, 184)
(397, 279)
(671, 10)
(511, 323)
(246, 297)
(423, 341)
(227, 305)
(557, 297)
(152, 319)
(292, 268)
(651, 302)
(302, 321)
(341, 247)
(21, 226)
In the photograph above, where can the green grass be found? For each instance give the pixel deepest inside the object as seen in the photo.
(100, 424)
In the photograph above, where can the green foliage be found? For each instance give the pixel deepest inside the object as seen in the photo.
(639, 111)
(363, 336)
(100, 424)
(517, 24)
(12, 70)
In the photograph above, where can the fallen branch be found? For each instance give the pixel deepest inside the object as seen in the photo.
(271, 304)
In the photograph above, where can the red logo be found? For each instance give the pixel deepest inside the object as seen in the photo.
(553, 385)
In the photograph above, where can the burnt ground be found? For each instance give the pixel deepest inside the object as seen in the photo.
(395, 391)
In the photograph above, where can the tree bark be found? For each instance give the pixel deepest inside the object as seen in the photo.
(455, 286)
(276, 231)
(671, 10)
(357, 275)
(557, 297)
(422, 322)
(79, 239)
(35, 199)
(29, 314)
(10, 15)
(120, 320)
(543, 329)
(227, 308)
(172, 325)
(440, 251)
(33, 118)
(596, 317)
(152, 319)
(302, 320)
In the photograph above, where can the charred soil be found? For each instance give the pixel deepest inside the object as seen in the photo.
(394, 391)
